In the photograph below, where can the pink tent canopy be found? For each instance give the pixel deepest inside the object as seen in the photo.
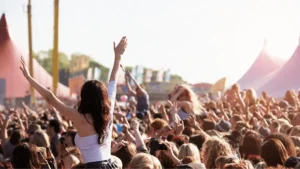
(261, 70)
(286, 78)
(15, 84)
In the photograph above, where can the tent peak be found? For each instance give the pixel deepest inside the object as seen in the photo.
(3, 28)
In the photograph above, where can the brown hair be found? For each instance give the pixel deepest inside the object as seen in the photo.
(198, 140)
(189, 131)
(158, 124)
(126, 154)
(286, 141)
(235, 166)
(250, 145)
(208, 125)
(273, 152)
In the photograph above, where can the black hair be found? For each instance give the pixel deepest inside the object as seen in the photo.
(56, 125)
(15, 137)
(95, 102)
(25, 156)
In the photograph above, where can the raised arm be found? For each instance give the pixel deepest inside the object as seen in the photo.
(69, 112)
(131, 91)
(136, 83)
(119, 51)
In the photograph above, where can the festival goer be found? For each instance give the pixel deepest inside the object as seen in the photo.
(94, 114)
(186, 100)
(142, 97)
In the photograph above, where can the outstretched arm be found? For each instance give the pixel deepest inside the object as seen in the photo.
(131, 91)
(69, 112)
(136, 83)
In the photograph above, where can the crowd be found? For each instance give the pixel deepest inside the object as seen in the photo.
(236, 131)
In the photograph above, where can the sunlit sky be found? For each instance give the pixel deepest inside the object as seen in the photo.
(200, 40)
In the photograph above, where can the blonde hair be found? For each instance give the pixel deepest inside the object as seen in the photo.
(189, 150)
(214, 148)
(40, 139)
(145, 161)
(295, 131)
(193, 98)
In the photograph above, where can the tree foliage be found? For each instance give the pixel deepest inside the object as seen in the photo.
(45, 59)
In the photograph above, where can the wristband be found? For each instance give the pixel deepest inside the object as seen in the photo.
(117, 57)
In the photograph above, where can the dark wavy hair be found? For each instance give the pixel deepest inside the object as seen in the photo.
(95, 101)
(25, 156)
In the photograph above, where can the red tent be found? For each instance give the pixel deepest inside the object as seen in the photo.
(12, 82)
(286, 78)
(261, 70)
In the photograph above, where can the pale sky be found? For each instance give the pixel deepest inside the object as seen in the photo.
(200, 40)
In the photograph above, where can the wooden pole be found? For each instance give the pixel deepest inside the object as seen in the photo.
(30, 50)
(55, 57)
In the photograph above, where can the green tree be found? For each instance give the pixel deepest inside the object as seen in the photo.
(45, 59)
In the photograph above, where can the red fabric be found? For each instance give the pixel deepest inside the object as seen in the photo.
(260, 72)
(16, 84)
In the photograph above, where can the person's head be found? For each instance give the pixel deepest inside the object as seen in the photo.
(126, 153)
(208, 125)
(235, 88)
(291, 97)
(198, 140)
(214, 148)
(234, 139)
(235, 166)
(40, 139)
(117, 161)
(189, 150)
(165, 160)
(250, 145)
(286, 141)
(221, 161)
(16, 137)
(157, 125)
(53, 128)
(251, 96)
(274, 127)
(190, 96)
(273, 152)
(96, 104)
(145, 161)
(25, 156)
(235, 118)
(264, 95)
(70, 138)
(189, 131)
(32, 128)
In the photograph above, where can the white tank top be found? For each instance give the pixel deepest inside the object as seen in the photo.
(90, 150)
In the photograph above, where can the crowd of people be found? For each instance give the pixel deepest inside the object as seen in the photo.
(236, 131)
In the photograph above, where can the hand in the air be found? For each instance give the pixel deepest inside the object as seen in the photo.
(23, 68)
(120, 48)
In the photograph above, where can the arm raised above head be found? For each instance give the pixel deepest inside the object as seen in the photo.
(119, 51)
(67, 111)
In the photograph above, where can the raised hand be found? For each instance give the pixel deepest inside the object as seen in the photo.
(135, 125)
(118, 146)
(120, 48)
(23, 68)
(174, 108)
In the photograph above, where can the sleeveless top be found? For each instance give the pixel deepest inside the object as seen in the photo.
(142, 103)
(182, 114)
(90, 150)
